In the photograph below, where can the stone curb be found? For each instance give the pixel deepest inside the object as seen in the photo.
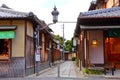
(43, 71)
(112, 77)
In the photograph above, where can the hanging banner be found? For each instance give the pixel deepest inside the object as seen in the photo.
(7, 34)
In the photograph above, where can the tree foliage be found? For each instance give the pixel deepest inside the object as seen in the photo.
(68, 45)
(59, 38)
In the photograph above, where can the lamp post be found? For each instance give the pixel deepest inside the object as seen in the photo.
(58, 47)
(63, 44)
(36, 36)
(55, 14)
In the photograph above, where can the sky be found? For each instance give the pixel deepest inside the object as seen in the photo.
(69, 10)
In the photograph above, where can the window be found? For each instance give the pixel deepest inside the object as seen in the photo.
(4, 49)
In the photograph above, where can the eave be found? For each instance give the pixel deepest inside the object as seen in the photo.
(101, 21)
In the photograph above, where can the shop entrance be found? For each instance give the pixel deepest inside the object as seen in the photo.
(4, 49)
(5, 44)
(112, 47)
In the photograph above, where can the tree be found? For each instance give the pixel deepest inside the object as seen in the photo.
(59, 38)
(68, 45)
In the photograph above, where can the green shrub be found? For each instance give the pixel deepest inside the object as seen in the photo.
(77, 61)
(92, 71)
(85, 70)
(73, 58)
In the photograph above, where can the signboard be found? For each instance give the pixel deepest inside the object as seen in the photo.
(37, 57)
(113, 33)
(7, 34)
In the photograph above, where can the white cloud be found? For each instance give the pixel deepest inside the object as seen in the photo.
(69, 11)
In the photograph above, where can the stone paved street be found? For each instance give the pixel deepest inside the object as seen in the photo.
(68, 71)
(62, 78)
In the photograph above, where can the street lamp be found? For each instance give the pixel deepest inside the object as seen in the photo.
(74, 41)
(55, 14)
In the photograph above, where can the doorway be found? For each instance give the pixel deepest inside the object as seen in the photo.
(112, 47)
(4, 49)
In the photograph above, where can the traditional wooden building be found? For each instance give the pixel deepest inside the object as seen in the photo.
(45, 42)
(18, 43)
(98, 32)
(56, 53)
(69, 55)
(102, 4)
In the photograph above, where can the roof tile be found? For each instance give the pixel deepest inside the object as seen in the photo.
(9, 13)
(110, 12)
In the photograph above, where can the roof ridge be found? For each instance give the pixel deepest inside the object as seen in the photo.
(92, 12)
(13, 11)
(5, 6)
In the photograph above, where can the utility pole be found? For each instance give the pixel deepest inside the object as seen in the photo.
(63, 44)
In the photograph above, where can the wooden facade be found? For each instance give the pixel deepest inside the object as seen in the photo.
(103, 4)
(69, 55)
(56, 54)
(22, 36)
(19, 58)
(98, 25)
(20, 47)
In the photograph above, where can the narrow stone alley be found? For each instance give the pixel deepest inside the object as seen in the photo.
(67, 69)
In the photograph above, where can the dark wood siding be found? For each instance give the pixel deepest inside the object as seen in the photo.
(14, 68)
(29, 52)
(57, 55)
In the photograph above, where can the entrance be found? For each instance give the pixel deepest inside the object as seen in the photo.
(112, 47)
(4, 49)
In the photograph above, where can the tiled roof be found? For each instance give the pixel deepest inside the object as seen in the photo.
(110, 12)
(10, 13)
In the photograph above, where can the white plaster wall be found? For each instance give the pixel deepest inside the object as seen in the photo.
(96, 51)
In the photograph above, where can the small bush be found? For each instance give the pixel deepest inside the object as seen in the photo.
(92, 71)
(77, 61)
(73, 58)
(85, 70)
